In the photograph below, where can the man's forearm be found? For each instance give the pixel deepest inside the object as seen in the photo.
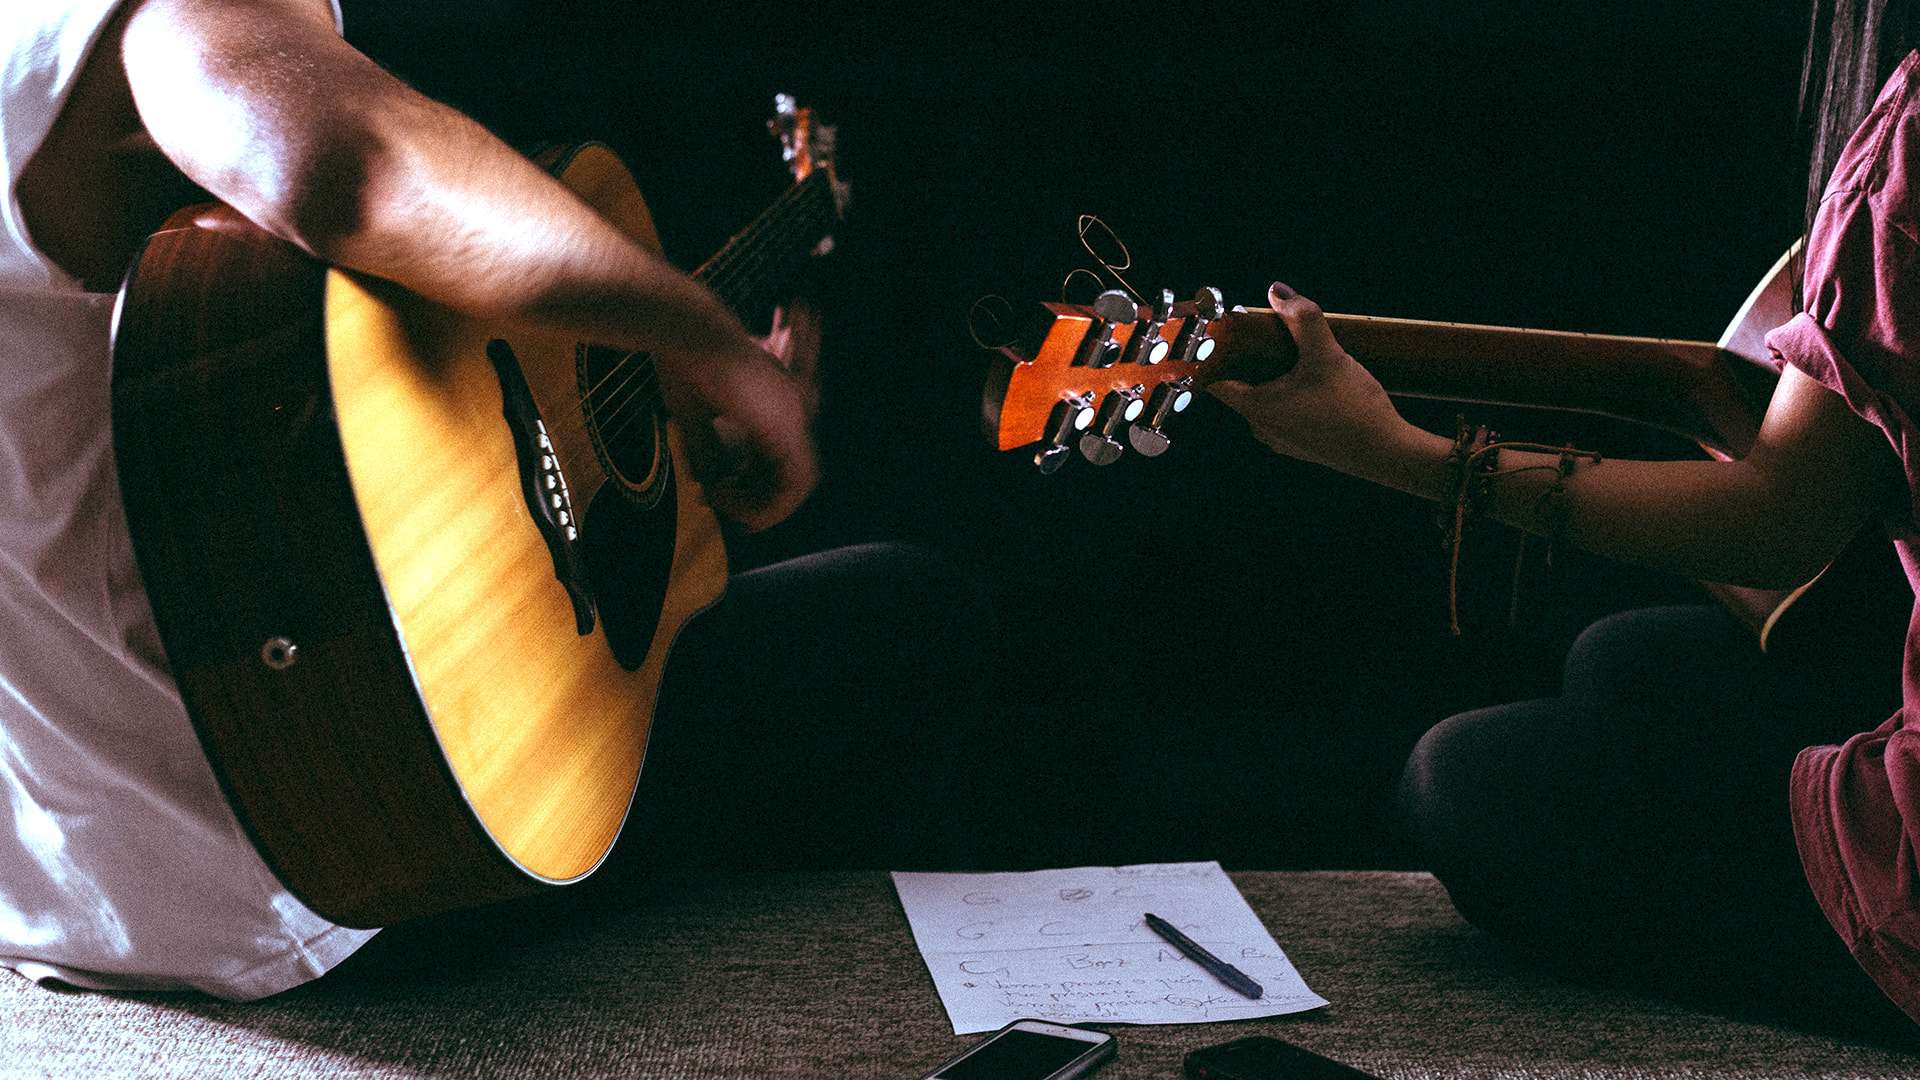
(471, 224)
(265, 107)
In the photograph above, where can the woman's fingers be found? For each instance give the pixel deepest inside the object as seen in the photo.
(1231, 391)
(1305, 323)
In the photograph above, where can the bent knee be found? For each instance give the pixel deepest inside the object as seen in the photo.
(1659, 654)
(1473, 780)
(1433, 784)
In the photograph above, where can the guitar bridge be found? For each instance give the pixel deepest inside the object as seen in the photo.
(544, 484)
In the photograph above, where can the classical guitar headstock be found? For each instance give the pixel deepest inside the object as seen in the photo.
(808, 146)
(1087, 376)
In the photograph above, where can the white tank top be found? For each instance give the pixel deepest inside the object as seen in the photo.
(121, 865)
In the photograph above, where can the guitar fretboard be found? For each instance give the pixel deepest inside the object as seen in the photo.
(749, 272)
(748, 275)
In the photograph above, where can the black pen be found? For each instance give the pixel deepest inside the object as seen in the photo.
(1216, 967)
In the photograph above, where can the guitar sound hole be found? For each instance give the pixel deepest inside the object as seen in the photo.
(620, 394)
(629, 555)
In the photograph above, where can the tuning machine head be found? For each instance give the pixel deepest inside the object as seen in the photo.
(1147, 345)
(1122, 405)
(1074, 413)
(1168, 398)
(1097, 348)
(1193, 344)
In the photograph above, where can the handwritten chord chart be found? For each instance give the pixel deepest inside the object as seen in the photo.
(1073, 946)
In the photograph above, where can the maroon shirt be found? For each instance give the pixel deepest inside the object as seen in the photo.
(1856, 807)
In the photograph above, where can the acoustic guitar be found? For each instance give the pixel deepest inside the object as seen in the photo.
(1099, 379)
(417, 576)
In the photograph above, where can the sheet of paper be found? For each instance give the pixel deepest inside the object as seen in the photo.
(1073, 946)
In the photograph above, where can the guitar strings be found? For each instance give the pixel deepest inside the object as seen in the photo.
(734, 265)
(746, 237)
(615, 412)
(611, 410)
(812, 213)
(725, 267)
(729, 263)
(1085, 225)
(746, 260)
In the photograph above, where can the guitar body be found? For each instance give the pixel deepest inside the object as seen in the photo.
(417, 577)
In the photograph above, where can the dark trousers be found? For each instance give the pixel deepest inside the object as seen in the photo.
(1636, 827)
(830, 712)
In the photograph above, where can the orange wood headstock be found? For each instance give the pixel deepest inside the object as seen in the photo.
(808, 146)
(1086, 377)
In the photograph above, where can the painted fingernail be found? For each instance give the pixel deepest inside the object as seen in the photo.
(1280, 290)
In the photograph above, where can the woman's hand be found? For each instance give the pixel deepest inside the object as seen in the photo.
(1328, 410)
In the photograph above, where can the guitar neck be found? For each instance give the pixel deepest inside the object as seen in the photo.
(749, 273)
(1691, 388)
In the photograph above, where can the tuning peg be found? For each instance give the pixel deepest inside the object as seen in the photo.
(1168, 398)
(1193, 344)
(783, 125)
(1120, 406)
(1148, 442)
(1100, 449)
(1146, 346)
(1098, 349)
(1074, 413)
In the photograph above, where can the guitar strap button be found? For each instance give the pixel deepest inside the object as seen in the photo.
(279, 653)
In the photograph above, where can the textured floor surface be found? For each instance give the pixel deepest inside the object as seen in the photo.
(816, 975)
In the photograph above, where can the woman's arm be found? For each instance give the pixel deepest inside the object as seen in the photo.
(1816, 474)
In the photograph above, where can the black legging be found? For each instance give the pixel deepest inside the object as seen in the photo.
(1636, 827)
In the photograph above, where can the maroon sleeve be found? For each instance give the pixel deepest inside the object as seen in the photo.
(1859, 333)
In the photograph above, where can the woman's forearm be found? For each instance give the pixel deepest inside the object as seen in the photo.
(1714, 520)
(1814, 476)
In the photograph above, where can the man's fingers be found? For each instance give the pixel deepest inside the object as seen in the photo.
(1245, 397)
(757, 478)
(764, 494)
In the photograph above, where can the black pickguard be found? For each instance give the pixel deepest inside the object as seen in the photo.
(629, 554)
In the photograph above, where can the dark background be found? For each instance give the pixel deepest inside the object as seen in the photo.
(1249, 644)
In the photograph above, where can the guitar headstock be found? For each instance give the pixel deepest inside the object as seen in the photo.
(807, 146)
(1087, 376)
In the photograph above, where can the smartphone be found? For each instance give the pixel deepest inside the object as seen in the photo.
(1258, 1057)
(1031, 1050)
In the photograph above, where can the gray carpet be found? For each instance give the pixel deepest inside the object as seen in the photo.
(816, 975)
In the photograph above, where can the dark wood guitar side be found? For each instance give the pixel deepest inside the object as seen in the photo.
(250, 544)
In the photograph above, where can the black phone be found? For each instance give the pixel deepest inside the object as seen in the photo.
(1258, 1057)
